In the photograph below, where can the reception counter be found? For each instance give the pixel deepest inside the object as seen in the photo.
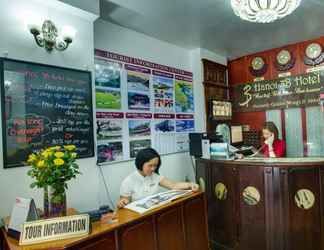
(263, 203)
(179, 225)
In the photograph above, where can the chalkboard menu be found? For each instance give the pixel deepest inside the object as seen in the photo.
(44, 106)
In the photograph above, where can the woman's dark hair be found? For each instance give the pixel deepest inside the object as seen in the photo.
(146, 155)
(272, 128)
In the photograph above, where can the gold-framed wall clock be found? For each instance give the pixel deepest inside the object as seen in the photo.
(314, 54)
(258, 66)
(285, 60)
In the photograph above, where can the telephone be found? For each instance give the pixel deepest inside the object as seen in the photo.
(233, 149)
(244, 150)
(95, 215)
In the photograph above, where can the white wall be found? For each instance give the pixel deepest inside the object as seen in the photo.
(88, 191)
(19, 43)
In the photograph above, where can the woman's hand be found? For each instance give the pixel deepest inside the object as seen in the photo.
(239, 156)
(166, 183)
(270, 140)
(193, 186)
(123, 201)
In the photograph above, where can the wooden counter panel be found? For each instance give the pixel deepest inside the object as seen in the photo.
(138, 237)
(275, 222)
(170, 234)
(223, 208)
(196, 225)
(104, 242)
(252, 228)
(304, 223)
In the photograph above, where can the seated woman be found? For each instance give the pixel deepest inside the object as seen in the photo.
(273, 147)
(145, 181)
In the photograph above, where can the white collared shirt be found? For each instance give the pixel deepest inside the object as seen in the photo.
(137, 186)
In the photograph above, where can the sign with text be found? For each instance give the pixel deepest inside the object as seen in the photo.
(286, 92)
(54, 229)
(44, 106)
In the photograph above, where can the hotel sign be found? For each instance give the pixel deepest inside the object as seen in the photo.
(285, 92)
(54, 229)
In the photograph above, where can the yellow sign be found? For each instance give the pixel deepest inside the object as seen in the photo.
(54, 229)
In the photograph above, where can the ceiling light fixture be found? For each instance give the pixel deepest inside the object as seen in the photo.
(263, 11)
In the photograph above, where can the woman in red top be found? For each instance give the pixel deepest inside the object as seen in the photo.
(273, 147)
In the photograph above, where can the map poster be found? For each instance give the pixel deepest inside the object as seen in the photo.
(184, 102)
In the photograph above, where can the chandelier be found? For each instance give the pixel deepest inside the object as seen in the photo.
(263, 11)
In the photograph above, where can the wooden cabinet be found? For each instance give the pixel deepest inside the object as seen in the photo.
(268, 206)
(215, 87)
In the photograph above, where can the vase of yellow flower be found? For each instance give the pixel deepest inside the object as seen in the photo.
(51, 169)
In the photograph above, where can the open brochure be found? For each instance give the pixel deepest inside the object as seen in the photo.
(148, 203)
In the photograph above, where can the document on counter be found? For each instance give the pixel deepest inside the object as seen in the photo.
(146, 204)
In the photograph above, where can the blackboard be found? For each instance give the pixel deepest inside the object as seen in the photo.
(42, 106)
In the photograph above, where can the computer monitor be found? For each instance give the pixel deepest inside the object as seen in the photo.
(236, 134)
(195, 142)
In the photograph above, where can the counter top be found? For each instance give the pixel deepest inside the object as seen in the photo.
(311, 161)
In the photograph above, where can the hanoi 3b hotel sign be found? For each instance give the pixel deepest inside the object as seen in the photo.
(286, 92)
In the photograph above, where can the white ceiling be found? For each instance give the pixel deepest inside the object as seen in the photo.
(211, 24)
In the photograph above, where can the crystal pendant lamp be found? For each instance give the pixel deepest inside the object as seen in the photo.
(263, 11)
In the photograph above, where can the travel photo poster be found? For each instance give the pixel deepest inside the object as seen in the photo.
(184, 102)
(138, 88)
(139, 128)
(141, 104)
(163, 88)
(137, 145)
(110, 135)
(109, 151)
(108, 84)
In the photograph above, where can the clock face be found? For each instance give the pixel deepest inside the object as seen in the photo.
(313, 50)
(257, 63)
(283, 57)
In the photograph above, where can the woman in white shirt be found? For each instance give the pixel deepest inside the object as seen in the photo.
(145, 181)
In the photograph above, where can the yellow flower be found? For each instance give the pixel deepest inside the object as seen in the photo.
(74, 155)
(31, 158)
(59, 154)
(54, 148)
(70, 147)
(58, 162)
(46, 154)
(41, 164)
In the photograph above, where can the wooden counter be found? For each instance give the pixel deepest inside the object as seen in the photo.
(179, 225)
(264, 204)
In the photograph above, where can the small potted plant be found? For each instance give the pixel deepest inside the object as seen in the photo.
(51, 169)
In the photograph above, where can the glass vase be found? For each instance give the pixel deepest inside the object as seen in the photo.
(54, 203)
